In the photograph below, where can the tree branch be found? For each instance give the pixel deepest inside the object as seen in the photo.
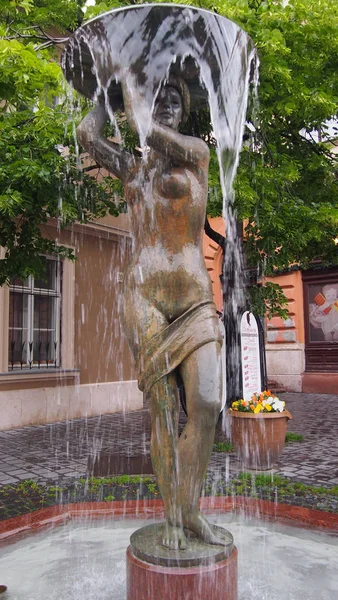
(22, 35)
(47, 39)
(91, 168)
(213, 235)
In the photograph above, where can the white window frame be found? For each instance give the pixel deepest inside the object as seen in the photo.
(29, 290)
(67, 368)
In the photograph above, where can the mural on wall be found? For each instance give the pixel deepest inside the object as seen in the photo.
(323, 312)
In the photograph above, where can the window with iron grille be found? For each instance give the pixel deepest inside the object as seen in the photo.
(35, 320)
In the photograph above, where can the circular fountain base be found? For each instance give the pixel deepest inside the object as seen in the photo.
(202, 570)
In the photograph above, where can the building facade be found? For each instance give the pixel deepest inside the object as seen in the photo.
(302, 351)
(63, 353)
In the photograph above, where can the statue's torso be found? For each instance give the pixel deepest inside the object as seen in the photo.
(167, 209)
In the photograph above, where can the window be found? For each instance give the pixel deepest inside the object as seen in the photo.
(35, 320)
(320, 290)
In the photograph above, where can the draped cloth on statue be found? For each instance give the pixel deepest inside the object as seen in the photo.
(166, 350)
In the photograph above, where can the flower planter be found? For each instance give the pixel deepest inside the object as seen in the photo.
(258, 439)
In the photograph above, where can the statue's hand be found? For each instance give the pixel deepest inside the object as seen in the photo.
(92, 125)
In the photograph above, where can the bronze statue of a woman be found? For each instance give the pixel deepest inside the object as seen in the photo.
(171, 321)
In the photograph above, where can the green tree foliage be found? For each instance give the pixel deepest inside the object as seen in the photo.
(39, 175)
(286, 186)
(287, 189)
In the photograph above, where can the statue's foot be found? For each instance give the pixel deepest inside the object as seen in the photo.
(204, 530)
(174, 538)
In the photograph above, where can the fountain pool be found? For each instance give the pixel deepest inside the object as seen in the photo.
(85, 559)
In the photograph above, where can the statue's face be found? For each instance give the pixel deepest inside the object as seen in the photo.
(168, 107)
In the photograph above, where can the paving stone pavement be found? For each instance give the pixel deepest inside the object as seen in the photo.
(60, 451)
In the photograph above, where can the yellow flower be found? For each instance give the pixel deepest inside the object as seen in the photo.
(258, 408)
(268, 407)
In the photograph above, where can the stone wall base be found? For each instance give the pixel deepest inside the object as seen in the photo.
(285, 365)
(38, 406)
(320, 383)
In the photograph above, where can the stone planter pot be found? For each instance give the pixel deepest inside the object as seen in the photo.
(258, 440)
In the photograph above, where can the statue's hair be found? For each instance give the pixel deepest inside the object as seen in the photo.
(181, 86)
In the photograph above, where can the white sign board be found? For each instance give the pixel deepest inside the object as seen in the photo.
(250, 354)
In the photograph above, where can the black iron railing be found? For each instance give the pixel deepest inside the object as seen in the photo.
(27, 355)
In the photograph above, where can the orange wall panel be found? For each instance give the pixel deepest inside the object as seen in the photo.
(291, 283)
(101, 350)
(213, 257)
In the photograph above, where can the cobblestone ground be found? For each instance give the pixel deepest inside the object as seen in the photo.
(60, 451)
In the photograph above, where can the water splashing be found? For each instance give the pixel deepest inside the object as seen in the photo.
(154, 61)
(141, 46)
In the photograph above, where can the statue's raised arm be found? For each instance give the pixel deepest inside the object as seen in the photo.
(107, 154)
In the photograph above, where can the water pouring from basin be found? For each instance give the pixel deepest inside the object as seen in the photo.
(157, 63)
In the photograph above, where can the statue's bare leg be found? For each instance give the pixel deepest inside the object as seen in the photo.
(141, 321)
(180, 463)
(164, 411)
(201, 373)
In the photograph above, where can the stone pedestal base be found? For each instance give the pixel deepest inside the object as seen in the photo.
(215, 578)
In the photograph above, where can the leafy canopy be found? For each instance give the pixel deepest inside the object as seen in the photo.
(286, 185)
(39, 175)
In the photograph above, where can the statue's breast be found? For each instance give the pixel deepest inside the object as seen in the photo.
(173, 184)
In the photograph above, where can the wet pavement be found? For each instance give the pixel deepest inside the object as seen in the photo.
(62, 451)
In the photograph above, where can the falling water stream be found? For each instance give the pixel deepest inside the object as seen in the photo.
(141, 46)
(137, 49)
